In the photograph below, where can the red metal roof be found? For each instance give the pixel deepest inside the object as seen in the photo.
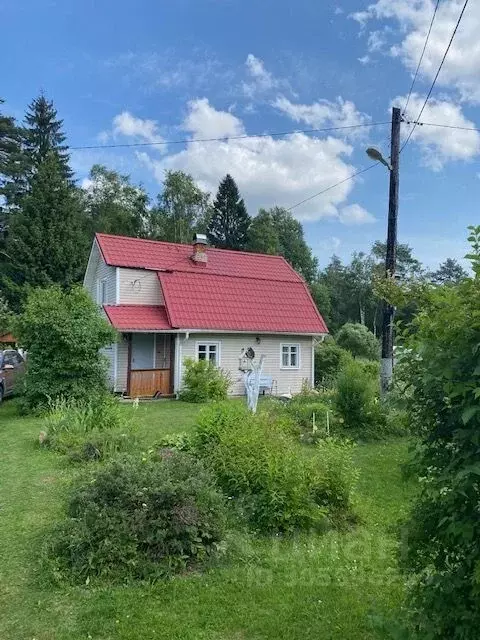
(120, 251)
(136, 317)
(203, 301)
(234, 291)
(7, 338)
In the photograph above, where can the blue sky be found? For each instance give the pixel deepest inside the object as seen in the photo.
(122, 72)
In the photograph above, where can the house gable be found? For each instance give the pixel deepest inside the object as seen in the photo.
(98, 271)
(139, 286)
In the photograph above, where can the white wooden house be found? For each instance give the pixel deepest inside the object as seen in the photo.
(172, 301)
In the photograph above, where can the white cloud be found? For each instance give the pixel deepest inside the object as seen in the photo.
(104, 136)
(440, 145)
(353, 214)
(127, 124)
(268, 171)
(203, 121)
(364, 59)
(324, 113)
(257, 70)
(412, 17)
(260, 81)
(376, 41)
(169, 71)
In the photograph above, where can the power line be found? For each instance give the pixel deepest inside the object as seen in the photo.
(227, 138)
(415, 122)
(436, 75)
(421, 58)
(442, 126)
(350, 177)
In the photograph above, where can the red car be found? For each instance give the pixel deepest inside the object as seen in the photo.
(11, 365)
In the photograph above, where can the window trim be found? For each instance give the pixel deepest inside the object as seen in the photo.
(101, 282)
(290, 367)
(208, 343)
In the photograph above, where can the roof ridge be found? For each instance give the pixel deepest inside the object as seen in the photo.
(298, 280)
(184, 244)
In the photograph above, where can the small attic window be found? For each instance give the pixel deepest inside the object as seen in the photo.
(102, 291)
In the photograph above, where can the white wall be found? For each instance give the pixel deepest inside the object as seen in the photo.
(122, 365)
(97, 270)
(288, 380)
(139, 286)
(109, 354)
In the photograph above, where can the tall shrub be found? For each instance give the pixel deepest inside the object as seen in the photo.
(63, 333)
(329, 359)
(356, 400)
(357, 339)
(442, 368)
(259, 463)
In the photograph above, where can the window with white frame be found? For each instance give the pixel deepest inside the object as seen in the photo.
(290, 356)
(209, 351)
(102, 291)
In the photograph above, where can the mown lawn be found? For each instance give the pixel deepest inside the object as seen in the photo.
(325, 587)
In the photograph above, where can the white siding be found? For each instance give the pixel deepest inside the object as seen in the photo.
(109, 354)
(139, 286)
(122, 365)
(287, 380)
(97, 270)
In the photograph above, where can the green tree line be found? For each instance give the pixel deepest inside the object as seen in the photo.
(47, 223)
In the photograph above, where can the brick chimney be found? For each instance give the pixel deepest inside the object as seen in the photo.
(199, 255)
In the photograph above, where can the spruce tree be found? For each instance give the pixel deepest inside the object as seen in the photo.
(11, 169)
(449, 272)
(47, 243)
(230, 222)
(43, 134)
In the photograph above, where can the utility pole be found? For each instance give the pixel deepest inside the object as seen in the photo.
(386, 371)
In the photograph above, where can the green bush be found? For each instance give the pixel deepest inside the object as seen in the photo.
(275, 483)
(312, 415)
(336, 477)
(178, 441)
(441, 551)
(93, 430)
(357, 403)
(203, 381)
(63, 333)
(142, 519)
(371, 369)
(329, 359)
(359, 341)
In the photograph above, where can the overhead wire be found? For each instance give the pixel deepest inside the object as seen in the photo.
(421, 57)
(228, 138)
(442, 126)
(436, 76)
(350, 177)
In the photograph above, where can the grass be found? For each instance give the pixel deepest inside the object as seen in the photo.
(310, 587)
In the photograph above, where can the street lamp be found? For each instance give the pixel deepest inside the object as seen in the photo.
(375, 154)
